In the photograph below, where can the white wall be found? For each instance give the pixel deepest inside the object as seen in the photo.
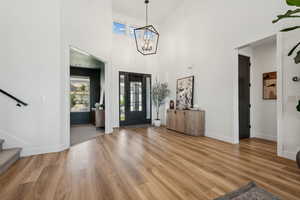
(289, 139)
(30, 69)
(126, 58)
(85, 61)
(204, 34)
(35, 40)
(263, 112)
(85, 25)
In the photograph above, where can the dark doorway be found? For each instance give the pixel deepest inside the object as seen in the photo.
(85, 92)
(135, 98)
(244, 97)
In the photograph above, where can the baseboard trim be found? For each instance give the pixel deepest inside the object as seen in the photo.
(30, 151)
(219, 137)
(265, 136)
(289, 155)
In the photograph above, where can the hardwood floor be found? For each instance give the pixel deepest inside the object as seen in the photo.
(149, 164)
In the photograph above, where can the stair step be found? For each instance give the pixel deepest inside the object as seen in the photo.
(8, 157)
(1, 144)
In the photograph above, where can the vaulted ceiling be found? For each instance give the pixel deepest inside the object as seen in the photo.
(159, 9)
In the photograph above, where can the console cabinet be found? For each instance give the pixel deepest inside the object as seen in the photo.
(189, 122)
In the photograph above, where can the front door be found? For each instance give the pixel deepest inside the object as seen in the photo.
(244, 97)
(135, 98)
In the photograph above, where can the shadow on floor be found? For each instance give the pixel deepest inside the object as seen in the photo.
(83, 133)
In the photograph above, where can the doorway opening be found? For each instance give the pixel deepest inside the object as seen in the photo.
(134, 99)
(87, 106)
(257, 72)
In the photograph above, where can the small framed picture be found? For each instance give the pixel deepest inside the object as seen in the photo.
(270, 86)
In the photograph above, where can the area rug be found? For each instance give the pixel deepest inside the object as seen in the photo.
(249, 192)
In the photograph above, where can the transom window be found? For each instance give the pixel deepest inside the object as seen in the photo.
(123, 29)
(119, 28)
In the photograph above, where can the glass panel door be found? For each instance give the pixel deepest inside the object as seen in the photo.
(135, 96)
(135, 100)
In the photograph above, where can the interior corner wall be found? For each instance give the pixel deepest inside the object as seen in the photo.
(30, 70)
(263, 112)
(192, 37)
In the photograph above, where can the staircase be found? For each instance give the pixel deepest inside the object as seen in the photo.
(8, 157)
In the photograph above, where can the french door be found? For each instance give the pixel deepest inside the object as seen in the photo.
(135, 98)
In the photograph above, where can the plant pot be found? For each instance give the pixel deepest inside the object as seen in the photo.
(157, 123)
(298, 159)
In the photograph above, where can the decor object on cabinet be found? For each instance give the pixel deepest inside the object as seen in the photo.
(189, 122)
(172, 105)
(146, 38)
(160, 92)
(270, 85)
(288, 15)
(298, 106)
(296, 79)
(185, 93)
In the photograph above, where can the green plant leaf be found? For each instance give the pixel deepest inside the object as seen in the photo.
(293, 2)
(297, 58)
(293, 49)
(290, 29)
(288, 14)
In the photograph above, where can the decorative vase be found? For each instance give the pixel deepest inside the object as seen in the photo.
(298, 106)
(298, 159)
(157, 123)
(172, 105)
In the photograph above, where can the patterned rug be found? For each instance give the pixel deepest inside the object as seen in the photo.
(249, 192)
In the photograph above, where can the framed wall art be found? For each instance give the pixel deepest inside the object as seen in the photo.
(270, 86)
(185, 93)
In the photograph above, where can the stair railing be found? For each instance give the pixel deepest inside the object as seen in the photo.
(19, 102)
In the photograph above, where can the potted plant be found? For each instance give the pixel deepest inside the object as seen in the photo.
(291, 14)
(160, 92)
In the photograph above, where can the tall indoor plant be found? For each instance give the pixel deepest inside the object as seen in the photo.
(160, 92)
(292, 14)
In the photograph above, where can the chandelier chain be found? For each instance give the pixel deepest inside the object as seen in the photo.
(147, 14)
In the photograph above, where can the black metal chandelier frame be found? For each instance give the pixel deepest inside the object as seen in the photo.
(147, 29)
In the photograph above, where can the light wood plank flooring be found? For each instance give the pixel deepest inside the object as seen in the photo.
(150, 164)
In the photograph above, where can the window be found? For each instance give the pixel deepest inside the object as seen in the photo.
(119, 28)
(135, 96)
(122, 97)
(131, 31)
(80, 94)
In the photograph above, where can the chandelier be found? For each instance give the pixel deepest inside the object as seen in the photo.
(146, 38)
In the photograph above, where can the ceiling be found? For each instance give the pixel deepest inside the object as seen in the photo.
(158, 9)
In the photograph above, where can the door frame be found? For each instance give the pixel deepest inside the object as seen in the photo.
(65, 97)
(280, 100)
(149, 121)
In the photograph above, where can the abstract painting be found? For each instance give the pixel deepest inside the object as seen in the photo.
(185, 93)
(270, 85)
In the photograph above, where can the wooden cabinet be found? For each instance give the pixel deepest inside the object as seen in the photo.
(100, 118)
(190, 122)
